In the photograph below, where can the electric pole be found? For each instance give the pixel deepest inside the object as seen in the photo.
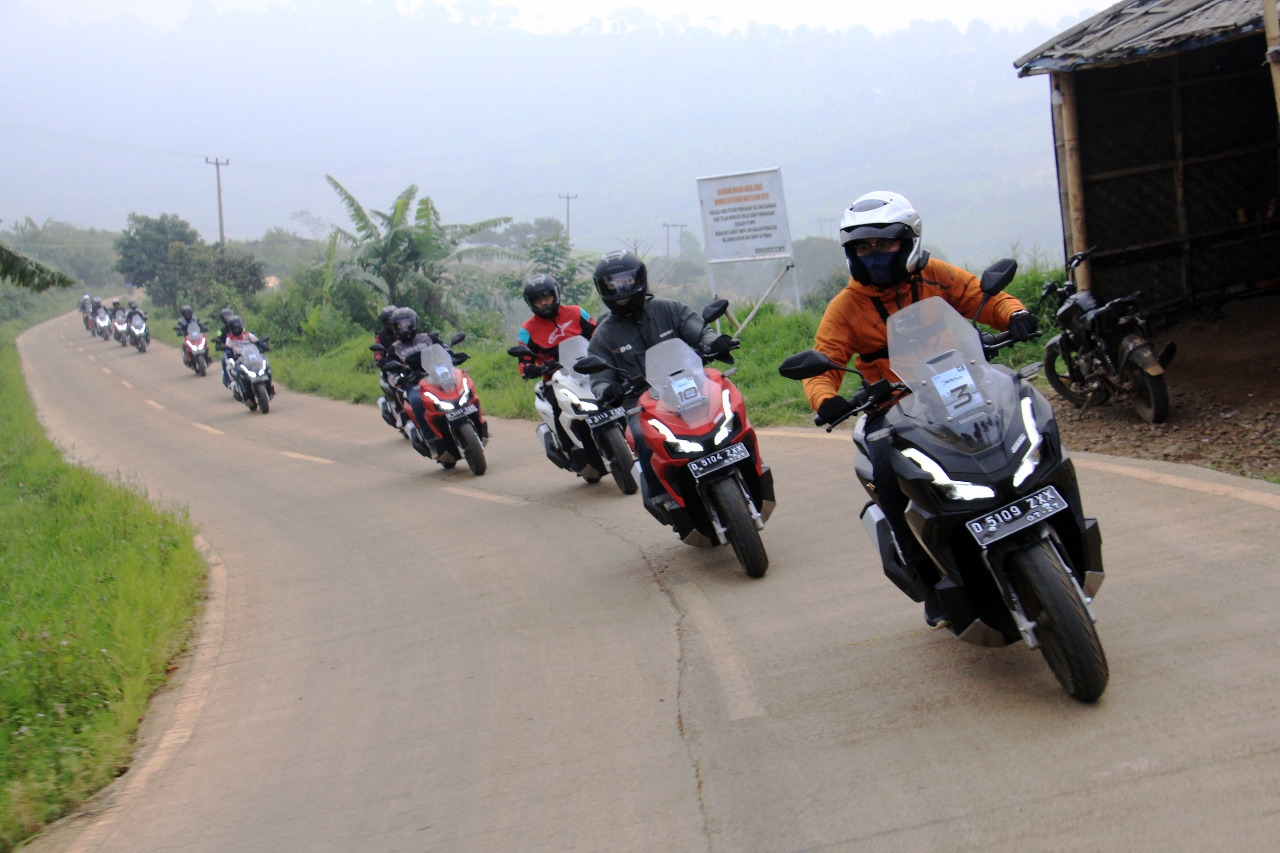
(669, 226)
(567, 199)
(217, 165)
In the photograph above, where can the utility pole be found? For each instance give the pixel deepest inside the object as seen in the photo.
(567, 199)
(669, 226)
(218, 164)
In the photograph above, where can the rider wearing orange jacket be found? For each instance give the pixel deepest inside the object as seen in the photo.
(889, 269)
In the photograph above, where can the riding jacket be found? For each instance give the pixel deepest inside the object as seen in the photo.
(543, 336)
(622, 341)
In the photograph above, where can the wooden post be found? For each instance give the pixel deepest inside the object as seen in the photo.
(1066, 84)
(1273, 45)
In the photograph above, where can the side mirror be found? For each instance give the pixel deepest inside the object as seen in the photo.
(996, 277)
(457, 339)
(715, 310)
(806, 365)
(591, 364)
(377, 348)
(520, 351)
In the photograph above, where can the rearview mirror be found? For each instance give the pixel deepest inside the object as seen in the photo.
(806, 365)
(996, 277)
(457, 339)
(591, 364)
(715, 310)
(377, 348)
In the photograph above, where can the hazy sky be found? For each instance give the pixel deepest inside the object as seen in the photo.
(543, 16)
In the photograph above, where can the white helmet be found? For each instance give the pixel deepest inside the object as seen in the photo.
(885, 215)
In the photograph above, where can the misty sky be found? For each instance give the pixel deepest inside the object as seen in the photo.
(112, 106)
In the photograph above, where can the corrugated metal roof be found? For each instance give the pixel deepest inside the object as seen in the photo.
(1139, 29)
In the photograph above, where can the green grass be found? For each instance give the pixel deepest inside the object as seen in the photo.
(99, 589)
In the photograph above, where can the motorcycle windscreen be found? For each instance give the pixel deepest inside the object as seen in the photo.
(676, 379)
(138, 323)
(193, 331)
(250, 356)
(955, 394)
(568, 352)
(438, 365)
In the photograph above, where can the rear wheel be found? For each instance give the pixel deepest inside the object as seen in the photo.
(472, 449)
(731, 505)
(620, 460)
(263, 398)
(201, 366)
(1149, 395)
(1068, 640)
(1055, 370)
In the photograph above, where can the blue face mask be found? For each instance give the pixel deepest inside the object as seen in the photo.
(880, 267)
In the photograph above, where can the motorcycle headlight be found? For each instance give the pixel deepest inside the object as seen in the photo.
(580, 406)
(673, 444)
(442, 405)
(722, 434)
(956, 490)
(1031, 458)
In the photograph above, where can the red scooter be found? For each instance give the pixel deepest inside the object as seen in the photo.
(716, 489)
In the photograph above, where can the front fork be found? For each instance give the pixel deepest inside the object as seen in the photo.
(996, 561)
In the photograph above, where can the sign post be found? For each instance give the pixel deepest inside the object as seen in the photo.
(744, 218)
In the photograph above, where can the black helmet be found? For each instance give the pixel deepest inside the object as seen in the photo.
(384, 316)
(539, 286)
(404, 322)
(235, 325)
(622, 282)
(185, 311)
(96, 302)
(133, 306)
(226, 314)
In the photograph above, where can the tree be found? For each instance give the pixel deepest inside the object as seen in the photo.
(407, 260)
(209, 275)
(27, 273)
(86, 255)
(145, 257)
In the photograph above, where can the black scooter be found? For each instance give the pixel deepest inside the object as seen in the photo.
(993, 495)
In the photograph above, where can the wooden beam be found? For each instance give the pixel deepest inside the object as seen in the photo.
(1065, 83)
(1273, 46)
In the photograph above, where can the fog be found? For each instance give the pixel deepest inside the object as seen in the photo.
(100, 120)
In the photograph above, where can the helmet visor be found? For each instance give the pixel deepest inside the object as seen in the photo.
(620, 285)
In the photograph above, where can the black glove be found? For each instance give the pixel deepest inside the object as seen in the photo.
(721, 347)
(609, 396)
(833, 408)
(1023, 326)
(531, 371)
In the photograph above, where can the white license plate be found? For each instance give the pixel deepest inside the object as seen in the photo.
(722, 458)
(458, 414)
(1018, 515)
(606, 417)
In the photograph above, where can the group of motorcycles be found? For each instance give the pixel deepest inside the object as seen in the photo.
(247, 366)
(108, 325)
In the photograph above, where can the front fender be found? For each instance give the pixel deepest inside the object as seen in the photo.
(1141, 352)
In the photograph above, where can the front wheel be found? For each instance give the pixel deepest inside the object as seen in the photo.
(620, 460)
(263, 398)
(1149, 395)
(472, 449)
(1068, 639)
(1055, 370)
(740, 528)
(201, 365)
(142, 345)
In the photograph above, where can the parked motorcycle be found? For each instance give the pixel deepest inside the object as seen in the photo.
(139, 335)
(716, 490)
(1105, 351)
(250, 373)
(588, 441)
(120, 328)
(993, 495)
(102, 324)
(451, 427)
(195, 347)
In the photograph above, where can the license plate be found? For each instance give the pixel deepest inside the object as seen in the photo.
(722, 458)
(459, 414)
(1018, 515)
(606, 417)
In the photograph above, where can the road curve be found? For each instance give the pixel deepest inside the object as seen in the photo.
(397, 657)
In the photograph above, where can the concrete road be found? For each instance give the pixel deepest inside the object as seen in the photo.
(396, 657)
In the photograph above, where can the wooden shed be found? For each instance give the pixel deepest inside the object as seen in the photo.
(1168, 144)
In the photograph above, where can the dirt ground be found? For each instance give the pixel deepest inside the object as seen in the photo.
(1224, 398)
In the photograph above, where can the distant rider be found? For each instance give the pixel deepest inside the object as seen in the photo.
(386, 335)
(408, 349)
(187, 317)
(889, 270)
(225, 315)
(635, 322)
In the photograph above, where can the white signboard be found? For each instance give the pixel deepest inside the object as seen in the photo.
(744, 216)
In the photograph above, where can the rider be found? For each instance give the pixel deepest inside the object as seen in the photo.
(236, 336)
(128, 318)
(889, 269)
(635, 322)
(408, 350)
(385, 335)
(187, 318)
(86, 302)
(551, 323)
(225, 315)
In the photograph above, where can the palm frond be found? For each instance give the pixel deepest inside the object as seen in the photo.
(365, 226)
(30, 274)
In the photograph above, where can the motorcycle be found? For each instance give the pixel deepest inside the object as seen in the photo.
(1104, 351)
(392, 402)
(139, 335)
(195, 347)
(102, 324)
(87, 315)
(250, 374)
(596, 441)
(716, 490)
(993, 499)
(120, 328)
(451, 426)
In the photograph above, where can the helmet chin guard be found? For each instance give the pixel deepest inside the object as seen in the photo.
(885, 215)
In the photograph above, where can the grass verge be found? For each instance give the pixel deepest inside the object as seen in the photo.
(99, 590)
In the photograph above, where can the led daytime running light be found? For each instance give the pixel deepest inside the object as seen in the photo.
(722, 434)
(1031, 458)
(440, 404)
(678, 445)
(958, 490)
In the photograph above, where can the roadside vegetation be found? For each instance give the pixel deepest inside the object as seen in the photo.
(99, 589)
